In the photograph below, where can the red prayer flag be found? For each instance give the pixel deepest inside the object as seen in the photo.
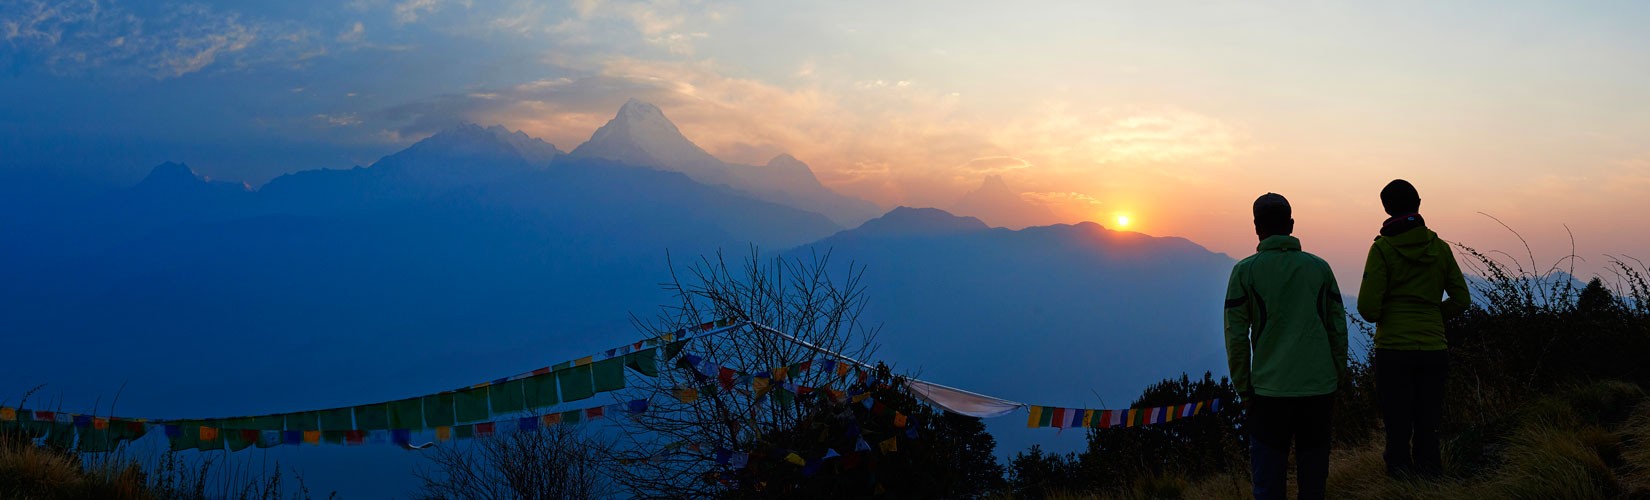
(725, 377)
(485, 429)
(355, 437)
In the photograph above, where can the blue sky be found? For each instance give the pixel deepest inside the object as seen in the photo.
(1528, 110)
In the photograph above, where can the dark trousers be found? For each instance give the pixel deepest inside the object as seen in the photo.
(1274, 423)
(1410, 385)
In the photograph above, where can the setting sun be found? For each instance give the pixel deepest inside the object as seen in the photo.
(1122, 221)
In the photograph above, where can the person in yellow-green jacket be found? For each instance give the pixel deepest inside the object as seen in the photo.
(1406, 278)
(1286, 349)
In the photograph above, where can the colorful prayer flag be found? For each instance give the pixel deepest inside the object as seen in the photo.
(312, 437)
(551, 419)
(337, 419)
(795, 459)
(372, 417)
(443, 433)
(485, 429)
(407, 414)
(889, 445)
(576, 383)
(608, 375)
(439, 410)
(509, 397)
(8, 415)
(540, 391)
(470, 405)
(686, 394)
(644, 361)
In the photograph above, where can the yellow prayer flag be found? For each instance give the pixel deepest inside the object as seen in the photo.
(584, 361)
(889, 445)
(312, 437)
(781, 372)
(443, 433)
(686, 394)
(100, 423)
(1088, 418)
(1036, 414)
(899, 420)
(842, 369)
(480, 385)
(209, 433)
(795, 459)
(861, 397)
(8, 414)
(760, 385)
(1133, 413)
(668, 337)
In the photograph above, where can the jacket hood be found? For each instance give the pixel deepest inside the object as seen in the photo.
(1416, 244)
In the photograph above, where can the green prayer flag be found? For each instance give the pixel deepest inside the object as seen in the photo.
(471, 404)
(237, 440)
(784, 398)
(608, 374)
(438, 410)
(238, 423)
(645, 362)
(332, 437)
(188, 438)
(95, 441)
(541, 391)
(572, 416)
(1046, 418)
(267, 423)
(306, 421)
(561, 366)
(407, 414)
(216, 443)
(674, 348)
(575, 383)
(338, 419)
(508, 397)
(464, 432)
(372, 417)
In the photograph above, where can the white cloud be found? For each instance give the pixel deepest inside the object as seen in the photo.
(79, 36)
(355, 33)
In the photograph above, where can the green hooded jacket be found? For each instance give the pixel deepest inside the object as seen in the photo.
(1285, 324)
(1405, 280)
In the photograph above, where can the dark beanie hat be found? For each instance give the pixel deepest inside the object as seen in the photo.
(1272, 208)
(1400, 198)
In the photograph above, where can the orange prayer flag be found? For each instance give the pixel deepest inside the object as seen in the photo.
(209, 433)
(889, 445)
(312, 437)
(443, 433)
(899, 420)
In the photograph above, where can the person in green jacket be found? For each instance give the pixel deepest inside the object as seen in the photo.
(1286, 349)
(1407, 276)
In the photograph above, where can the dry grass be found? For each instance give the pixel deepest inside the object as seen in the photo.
(1591, 443)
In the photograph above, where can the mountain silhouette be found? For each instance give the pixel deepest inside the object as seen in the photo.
(1049, 315)
(640, 134)
(461, 258)
(995, 203)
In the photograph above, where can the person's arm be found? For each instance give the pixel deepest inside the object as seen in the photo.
(1455, 286)
(1372, 291)
(1237, 332)
(1337, 321)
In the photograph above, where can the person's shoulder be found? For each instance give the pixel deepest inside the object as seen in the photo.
(1315, 260)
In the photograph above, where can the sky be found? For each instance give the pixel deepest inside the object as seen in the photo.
(1174, 114)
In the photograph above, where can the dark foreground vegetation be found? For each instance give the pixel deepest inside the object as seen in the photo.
(1546, 399)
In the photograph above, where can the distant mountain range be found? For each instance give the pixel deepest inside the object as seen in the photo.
(994, 202)
(481, 251)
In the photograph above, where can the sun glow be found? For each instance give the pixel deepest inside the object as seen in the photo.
(1122, 221)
